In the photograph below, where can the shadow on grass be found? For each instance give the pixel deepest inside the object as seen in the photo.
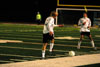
(91, 65)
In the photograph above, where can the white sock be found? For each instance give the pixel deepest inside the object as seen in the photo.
(92, 42)
(43, 54)
(79, 44)
(51, 46)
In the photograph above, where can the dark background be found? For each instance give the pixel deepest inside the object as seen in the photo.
(25, 10)
(80, 2)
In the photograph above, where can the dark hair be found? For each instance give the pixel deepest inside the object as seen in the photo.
(52, 13)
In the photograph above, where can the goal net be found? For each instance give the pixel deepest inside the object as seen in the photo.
(70, 16)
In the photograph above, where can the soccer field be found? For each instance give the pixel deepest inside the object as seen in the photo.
(30, 48)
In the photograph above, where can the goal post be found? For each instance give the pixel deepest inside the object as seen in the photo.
(72, 15)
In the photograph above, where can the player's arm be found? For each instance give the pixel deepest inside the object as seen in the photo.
(50, 24)
(50, 32)
(80, 22)
(58, 25)
(89, 26)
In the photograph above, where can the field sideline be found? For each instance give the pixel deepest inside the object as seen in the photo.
(93, 61)
(31, 36)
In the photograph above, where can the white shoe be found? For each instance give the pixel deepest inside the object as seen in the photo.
(43, 57)
(95, 48)
(78, 47)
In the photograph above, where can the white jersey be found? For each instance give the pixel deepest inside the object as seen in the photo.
(49, 25)
(84, 27)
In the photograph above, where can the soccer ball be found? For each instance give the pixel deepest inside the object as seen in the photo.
(71, 53)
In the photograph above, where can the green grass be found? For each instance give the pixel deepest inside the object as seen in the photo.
(32, 38)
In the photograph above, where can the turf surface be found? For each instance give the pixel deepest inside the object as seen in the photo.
(31, 35)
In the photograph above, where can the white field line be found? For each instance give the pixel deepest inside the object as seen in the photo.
(68, 37)
(17, 60)
(97, 35)
(17, 41)
(16, 55)
(41, 44)
(21, 38)
(5, 61)
(61, 45)
(47, 49)
(28, 48)
(12, 41)
(23, 35)
(19, 48)
(19, 30)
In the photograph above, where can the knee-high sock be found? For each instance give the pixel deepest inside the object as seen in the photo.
(92, 42)
(43, 53)
(51, 46)
(79, 44)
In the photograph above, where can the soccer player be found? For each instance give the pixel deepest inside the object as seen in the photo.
(38, 18)
(48, 32)
(85, 24)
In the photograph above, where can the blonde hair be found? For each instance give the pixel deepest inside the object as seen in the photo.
(53, 13)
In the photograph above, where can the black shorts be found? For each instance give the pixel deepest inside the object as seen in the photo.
(85, 33)
(47, 38)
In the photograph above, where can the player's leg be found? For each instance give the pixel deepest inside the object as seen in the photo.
(92, 41)
(79, 43)
(45, 43)
(44, 49)
(51, 45)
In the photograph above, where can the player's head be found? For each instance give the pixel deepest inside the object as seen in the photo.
(54, 14)
(38, 12)
(85, 14)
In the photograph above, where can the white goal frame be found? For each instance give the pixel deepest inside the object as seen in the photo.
(75, 9)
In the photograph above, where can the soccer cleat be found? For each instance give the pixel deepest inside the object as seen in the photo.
(50, 53)
(43, 58)
(79, 43)
(78, 47)
(95, 48)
